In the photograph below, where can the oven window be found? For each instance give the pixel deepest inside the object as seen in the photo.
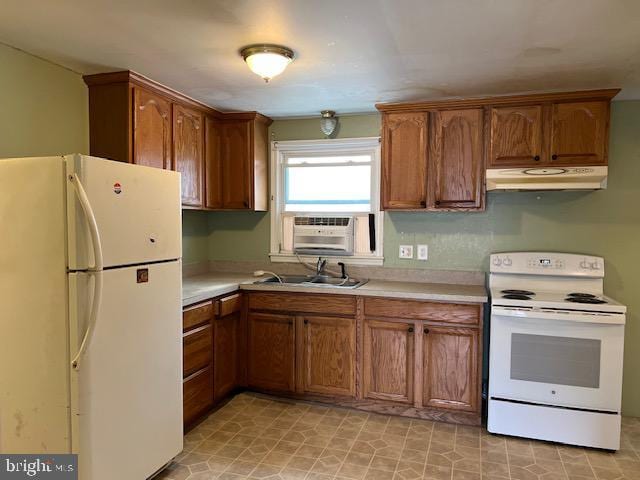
(555, 360)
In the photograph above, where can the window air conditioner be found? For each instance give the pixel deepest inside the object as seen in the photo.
(323, 235)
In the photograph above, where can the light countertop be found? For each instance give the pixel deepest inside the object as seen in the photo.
(208, 285)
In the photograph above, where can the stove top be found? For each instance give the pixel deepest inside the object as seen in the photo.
(583, 301)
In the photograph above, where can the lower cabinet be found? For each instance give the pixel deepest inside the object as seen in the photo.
(329, 355)
(450, 368)
(197, 384)
(389, 357)
(211, 354)
(271, 352)
(226, 349)
(405, 357)
(197, 395)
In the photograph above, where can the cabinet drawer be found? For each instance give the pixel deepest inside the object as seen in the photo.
(197, 391)
(434, 312)
(197, 349)
(196, 315)
(325, 304)
(228, 305)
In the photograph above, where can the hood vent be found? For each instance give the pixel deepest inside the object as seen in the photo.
(547, 178)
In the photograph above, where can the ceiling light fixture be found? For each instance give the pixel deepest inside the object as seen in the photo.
(328, 122)
(267, 60)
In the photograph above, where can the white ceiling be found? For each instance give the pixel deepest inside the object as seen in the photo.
(350, 53)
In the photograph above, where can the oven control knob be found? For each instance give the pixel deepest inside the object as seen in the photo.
(497, 261)
(584, 264)
(507, 262)
(595, 266)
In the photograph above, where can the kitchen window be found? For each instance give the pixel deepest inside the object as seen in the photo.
(327, 178)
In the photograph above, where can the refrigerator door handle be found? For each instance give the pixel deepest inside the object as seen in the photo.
(91, 221)
(95, 271)
(93, 315)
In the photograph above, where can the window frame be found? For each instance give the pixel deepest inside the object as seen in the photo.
(280, 150)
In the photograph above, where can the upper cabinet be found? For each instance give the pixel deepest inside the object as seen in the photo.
(236, 162)
(223, 157)
(187, 153)
(516, 135)
(457, 159)
(151, 129)
(435, 154)
(559, 133)
(579, 133)
(433, 160)
(213, 162)
(404, 164)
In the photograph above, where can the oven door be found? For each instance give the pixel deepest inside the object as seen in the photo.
(572, 360)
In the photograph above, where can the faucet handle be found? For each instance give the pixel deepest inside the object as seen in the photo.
(344, 269)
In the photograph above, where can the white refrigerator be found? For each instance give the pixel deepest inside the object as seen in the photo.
(90, 313)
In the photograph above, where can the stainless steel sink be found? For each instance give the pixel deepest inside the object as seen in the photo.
(312, 281)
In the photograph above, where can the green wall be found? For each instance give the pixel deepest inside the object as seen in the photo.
(44, 107)
(605, 223)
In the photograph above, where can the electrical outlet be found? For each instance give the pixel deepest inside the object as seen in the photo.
(406, 251)
(423, 252)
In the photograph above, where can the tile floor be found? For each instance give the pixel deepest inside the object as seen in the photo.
(253, 437)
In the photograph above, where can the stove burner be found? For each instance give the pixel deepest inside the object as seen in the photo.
(585, 300)
(581, 295)
(517, 292)
(516, 296)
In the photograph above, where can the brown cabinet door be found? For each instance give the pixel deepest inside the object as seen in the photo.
(187, 153)
(329, 355)
(579, 133)
(236, 165)
(197, 394)
(225, 354)
(516, 137)
(151, 129)
(450, 368)
(271, 357)
(457, 167)
(388, 361)
(404, 161)
(213, 146)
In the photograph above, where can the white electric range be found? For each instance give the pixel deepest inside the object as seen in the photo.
(556, 350)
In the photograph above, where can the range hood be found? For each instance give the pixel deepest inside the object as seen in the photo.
(547, 178)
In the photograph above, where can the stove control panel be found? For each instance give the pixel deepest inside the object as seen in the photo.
(541, 263)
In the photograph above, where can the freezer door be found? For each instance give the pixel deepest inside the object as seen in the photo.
(137, 210)
(127, 392)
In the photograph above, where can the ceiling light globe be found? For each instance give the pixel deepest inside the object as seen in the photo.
(267, 61)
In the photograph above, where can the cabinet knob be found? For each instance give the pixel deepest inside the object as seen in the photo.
(410, 330)
(423, 203)
(554, 157)
(290, 322)
(437, 202)
(537, 158)
(426, 330)
(246, 204)
(306, 322)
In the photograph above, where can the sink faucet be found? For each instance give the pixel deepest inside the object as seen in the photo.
(320, 266)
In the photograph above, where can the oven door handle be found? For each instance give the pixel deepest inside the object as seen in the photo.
(599, 318)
